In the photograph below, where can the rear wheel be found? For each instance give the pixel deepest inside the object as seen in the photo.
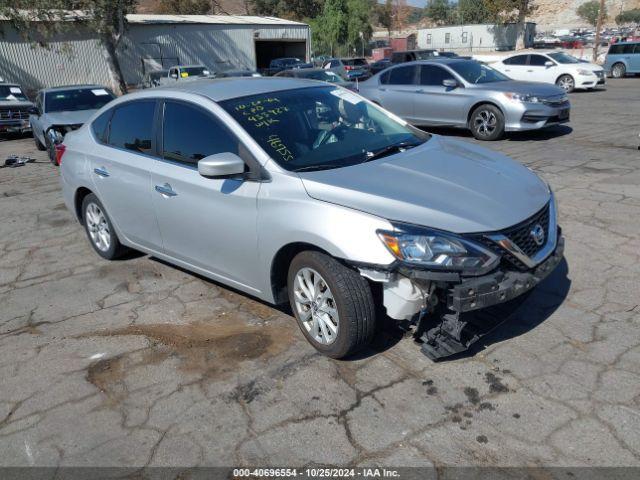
(51, 149)
(332, 303)
(566, 82)
(99, 228)
(618, 70)
(487, 122)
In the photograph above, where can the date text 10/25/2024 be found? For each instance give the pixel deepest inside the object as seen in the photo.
(318, 472)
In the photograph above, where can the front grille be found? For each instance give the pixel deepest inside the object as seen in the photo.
(555, 100)
(520, 234)
(14, 113)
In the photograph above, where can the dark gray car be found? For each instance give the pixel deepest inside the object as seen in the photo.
(464, 93)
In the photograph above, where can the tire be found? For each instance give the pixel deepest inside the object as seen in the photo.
(51, 150)
(38, 143)
(566, 82)
(93, 226)
(346, 293)
(618, 70)
(487, 123)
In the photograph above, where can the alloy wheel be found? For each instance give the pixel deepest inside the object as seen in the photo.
(316, 306)
(566, 83)
(485, 122)
(98, 227)
(618, 71)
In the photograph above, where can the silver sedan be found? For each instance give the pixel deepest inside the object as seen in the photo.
(466, 94)
(297, 190)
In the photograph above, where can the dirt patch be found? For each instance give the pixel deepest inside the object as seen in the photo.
(209, 349)
(472, 395)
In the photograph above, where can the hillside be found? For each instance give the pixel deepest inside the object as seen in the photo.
(551, 14)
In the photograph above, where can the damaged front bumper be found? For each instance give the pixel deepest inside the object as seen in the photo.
(452, 312)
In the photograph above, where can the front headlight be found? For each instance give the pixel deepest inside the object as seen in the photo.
(520, 97)
(438, 250)
(584, 72)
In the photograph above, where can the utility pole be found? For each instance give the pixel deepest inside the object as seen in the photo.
(598, 28)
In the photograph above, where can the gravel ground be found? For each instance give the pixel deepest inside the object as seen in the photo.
(139, 363)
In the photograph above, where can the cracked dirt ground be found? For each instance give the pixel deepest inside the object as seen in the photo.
(137, 363)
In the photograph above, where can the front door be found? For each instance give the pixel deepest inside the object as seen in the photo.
(121, 165)
(540, 71)
(209, 224)
(435, 104)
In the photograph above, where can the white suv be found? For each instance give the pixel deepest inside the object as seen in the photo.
(556, 67)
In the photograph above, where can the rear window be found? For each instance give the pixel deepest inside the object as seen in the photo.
(77, 99)
(615, 49)
(517, 60)
(355, 61)
(402, 75)
(100, 124)
(132, 126)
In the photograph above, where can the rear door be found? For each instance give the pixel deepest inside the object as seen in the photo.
(516, 67)
(435, 104)
(633, 57)
(398, 89)
(207, 223)
(121, 165)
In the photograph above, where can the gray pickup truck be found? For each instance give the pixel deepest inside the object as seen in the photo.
(15, 108)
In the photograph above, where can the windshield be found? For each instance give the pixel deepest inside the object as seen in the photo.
(291, 61)
(320, 127)
(322, 75)
(562, 57)
(193, 72)
(12, 92)
(475, 72)
(78, 99)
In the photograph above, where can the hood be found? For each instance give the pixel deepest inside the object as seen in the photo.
(515, 86)
(588, 66)
(68, 118)
(444, 184)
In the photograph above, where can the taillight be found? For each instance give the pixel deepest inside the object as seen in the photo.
(349, 67)
(60, 149)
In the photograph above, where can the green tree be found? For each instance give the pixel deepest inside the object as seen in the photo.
(589, 12)
(39, 20)
(294, 9)
(185, 7)
(333, 26)
(472, 11)
(359, 24)
(383, 15)
(505, 11)
(629, 16)
(439, 11)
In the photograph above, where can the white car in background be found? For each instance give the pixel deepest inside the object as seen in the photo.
(556, 66)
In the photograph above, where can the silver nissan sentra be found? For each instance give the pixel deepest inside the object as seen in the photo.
(299, 191)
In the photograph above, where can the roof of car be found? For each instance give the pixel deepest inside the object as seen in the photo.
(227, 88)
(71, 87)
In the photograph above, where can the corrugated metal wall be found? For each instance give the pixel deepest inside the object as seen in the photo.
(69, 59)
(78, 57)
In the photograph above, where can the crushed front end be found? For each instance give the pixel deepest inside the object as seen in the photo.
(449, 308)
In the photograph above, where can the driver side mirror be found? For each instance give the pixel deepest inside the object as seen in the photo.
(450, 83)
(33, 111)
(219, 165)
(549, 63)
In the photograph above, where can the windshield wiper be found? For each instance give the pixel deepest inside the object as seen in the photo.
(389, 149)
(321, 166)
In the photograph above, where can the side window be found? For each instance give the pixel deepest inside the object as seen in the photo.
(428, 39)
(517, 60)
(39, 102)
(190, 134)
(636, 50)
(537, 60)
(615, 49)
(447, 38)
(628, 48)
(402, 75)
(132, 126)
(433, 75)
(384, 78)
(100, 124)
(465, 37)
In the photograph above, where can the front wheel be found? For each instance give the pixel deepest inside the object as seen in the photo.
(618, 70)
(332, 303)
(51, 150)
(487, 123)
(566, 82)
(38, 143)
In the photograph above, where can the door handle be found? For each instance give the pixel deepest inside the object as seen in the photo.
(102, 172)
(419, 91)
(383, 89)
(529, 71)
(165, 190)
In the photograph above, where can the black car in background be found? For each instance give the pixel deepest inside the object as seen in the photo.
(380, 65)
(279, 64)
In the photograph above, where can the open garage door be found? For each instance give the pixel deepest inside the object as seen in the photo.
(267, 50)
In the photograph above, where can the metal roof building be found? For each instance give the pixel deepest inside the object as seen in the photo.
(152, 42)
